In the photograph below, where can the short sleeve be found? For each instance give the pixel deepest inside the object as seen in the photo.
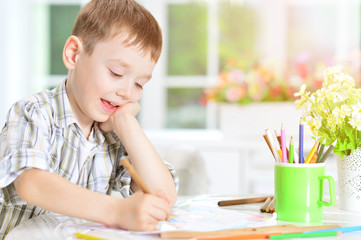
(24, 143)
(123, 179)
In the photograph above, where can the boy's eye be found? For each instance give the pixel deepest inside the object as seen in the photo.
(139, 86)
(115, 74)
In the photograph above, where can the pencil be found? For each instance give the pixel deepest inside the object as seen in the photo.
(321, 151)
(291, 152)
(134, 175)
(300, 148)
(235, 237)
(329, 150)
(279, 139)
(273, 145)
(271, 206)
(283, 144)
(304, 235)
(242, 201)
(269, 145)
(312, 152)
(265, 205)
(87, 237)
(314, 158)
(342, 229)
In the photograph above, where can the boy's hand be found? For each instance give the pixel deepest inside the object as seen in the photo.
(131, 108)
(141, 212)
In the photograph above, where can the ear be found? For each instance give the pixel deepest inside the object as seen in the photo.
(73, 47)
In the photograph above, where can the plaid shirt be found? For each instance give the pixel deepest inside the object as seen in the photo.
(42, 132)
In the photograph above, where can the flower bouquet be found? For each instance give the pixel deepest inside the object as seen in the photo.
(333, 112)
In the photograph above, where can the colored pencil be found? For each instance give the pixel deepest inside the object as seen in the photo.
(291, 151)
(271, 206)
(265, 205)
(278, 229)
(243, 201)
(283, 144)
(235, 237)
(328, 152)
(280, 154)
(269, 145)
(295, 155)
(278, 136)
(87, 237)
(134, 175)
(300, 148)
(304, 235)
(343, 229)
(273, 144)
(321, 151)
(312, 152)
(314, 158)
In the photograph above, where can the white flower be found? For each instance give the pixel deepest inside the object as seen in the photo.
(355, 120)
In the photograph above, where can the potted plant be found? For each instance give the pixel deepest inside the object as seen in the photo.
(333, 113)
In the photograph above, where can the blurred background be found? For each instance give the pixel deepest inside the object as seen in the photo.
(272, 45)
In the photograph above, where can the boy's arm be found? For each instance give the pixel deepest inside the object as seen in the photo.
(54, 193)
(145, 158)
(143, 155)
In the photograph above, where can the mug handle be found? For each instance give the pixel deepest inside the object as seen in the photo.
(331, 184)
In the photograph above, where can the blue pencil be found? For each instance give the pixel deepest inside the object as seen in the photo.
(343, 230)
(300, 149)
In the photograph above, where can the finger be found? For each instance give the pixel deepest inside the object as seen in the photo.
(158, 214)
(163, 196)
(162, 204)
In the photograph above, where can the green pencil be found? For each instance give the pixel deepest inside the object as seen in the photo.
(329, 150)
(321, 151)
(304, 235)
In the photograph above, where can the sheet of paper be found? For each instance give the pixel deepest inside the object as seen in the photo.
(199, 214)
(196, 214)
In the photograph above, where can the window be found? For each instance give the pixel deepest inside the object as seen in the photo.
(200, 36)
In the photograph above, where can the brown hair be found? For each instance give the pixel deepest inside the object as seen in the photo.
(100, 20)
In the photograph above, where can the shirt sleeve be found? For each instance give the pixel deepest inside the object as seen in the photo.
(123, 179)
(23, 145)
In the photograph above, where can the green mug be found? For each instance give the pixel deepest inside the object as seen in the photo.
(299, 191)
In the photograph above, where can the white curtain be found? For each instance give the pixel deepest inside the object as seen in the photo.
(15, 46)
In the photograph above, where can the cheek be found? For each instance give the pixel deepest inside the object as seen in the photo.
(137, 95)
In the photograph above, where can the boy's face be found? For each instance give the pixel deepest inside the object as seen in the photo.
(111, 76)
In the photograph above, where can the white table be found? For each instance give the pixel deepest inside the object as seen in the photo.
(52, 226)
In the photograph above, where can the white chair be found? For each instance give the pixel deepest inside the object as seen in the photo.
(190, 167)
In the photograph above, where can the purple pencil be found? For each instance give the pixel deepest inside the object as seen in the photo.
(300, 149)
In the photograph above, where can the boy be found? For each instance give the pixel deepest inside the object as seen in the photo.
(60, 149)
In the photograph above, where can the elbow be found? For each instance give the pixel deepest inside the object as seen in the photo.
(23, 185)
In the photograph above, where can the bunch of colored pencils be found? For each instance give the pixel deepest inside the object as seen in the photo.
(269, 205)
(278, 147)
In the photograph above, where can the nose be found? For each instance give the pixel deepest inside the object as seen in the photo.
(125, 90)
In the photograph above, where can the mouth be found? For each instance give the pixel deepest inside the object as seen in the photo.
(109, 106)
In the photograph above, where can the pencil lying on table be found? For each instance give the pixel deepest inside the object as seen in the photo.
(243, 201)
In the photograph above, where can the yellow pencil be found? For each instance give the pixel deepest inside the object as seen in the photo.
(313, 150)
(87, 237)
